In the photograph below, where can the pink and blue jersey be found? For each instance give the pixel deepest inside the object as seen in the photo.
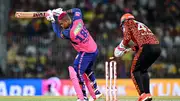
(82, 41)
(77, 33)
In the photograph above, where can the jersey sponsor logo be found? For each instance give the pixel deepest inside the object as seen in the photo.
(77, 29)
(83, 36)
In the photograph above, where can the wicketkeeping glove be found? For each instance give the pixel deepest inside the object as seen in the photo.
(118, 52)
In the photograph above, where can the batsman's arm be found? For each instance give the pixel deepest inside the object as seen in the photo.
(73, 10)
(56, 29)
(77, 14)
(30, 14)
(127, 35)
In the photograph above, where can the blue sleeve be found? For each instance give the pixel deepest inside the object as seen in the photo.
(56, 29)
(76, 13)
(66, 34)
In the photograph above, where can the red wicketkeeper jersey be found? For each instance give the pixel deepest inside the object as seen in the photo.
(138, 32)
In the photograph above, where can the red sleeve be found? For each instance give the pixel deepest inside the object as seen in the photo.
(135, 48)
(127, 35)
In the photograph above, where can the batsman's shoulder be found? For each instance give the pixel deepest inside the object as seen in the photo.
(77, 14)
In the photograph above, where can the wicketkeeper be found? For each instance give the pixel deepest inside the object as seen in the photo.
(147, 51)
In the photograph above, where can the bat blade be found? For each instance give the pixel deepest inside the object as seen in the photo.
(30, 14)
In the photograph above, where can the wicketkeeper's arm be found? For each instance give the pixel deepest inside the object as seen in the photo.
(135, 48)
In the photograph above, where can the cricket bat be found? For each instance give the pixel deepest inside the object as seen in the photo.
(30, 14)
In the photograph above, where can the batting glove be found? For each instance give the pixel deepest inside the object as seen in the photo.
(49, 16)
(57, 11)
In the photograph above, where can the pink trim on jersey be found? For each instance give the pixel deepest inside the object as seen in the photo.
(80, 61)
(88, 45)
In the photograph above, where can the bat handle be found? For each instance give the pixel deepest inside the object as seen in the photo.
(17, 15)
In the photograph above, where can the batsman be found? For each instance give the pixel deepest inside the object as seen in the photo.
(74, 30)
(147, 50)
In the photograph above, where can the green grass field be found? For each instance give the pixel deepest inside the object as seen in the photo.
(50, 98)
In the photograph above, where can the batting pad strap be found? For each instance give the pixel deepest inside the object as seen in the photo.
(75, 82)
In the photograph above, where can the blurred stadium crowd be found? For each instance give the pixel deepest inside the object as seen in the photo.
(33, 50)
